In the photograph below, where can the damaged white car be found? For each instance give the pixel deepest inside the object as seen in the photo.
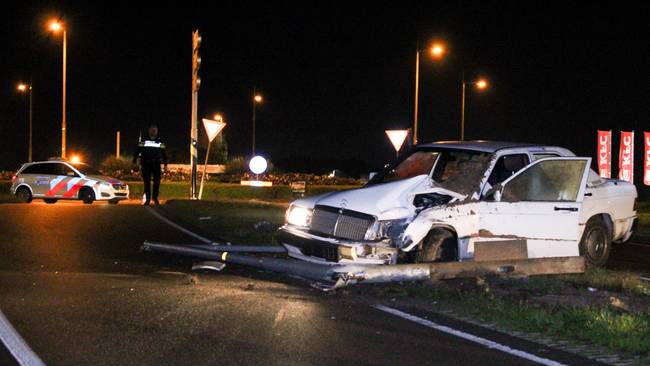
(442, 200)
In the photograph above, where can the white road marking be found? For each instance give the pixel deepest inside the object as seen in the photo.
(178, 227)
(472, 338)
(17, 345)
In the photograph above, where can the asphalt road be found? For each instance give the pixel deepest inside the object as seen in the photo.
(76, 287)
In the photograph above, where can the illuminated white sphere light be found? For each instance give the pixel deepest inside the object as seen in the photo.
(257, 165)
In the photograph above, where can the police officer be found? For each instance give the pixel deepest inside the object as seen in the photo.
(151, 152)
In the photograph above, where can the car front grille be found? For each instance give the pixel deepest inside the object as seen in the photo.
(340, 223)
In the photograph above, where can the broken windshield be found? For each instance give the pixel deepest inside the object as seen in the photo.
(456, 170)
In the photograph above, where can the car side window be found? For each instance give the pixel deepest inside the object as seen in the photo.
(33, 169)
(550, 180)
(65, 170)
(507, 166)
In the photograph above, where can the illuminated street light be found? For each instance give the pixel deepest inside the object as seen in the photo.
(437, 51)
(27, 88)
(257, 99)
(75, 159)
(481, 84)
(56, 26)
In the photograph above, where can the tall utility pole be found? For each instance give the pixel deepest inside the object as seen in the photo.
(417, 96)
(117, 145)
(257, 98)
(194, 132)
(63, 124)
(27, 88)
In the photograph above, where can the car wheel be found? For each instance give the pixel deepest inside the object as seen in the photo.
(50, 201)
(24, 195)
(439, 246)
(87, 196)
(113, 202)
(596, 243)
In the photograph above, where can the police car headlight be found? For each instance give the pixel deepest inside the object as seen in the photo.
(299, 216)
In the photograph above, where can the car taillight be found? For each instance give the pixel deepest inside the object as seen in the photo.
(13, 178)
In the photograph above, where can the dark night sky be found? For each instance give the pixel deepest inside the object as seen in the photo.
(334, 76)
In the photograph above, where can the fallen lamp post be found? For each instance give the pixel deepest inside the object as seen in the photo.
(330, 276)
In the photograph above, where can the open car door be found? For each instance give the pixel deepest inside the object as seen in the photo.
(540, 204)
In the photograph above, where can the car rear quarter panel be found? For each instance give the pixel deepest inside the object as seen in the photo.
(614, 199)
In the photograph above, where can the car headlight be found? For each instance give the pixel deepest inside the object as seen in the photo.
(387, 229)
(299, 216)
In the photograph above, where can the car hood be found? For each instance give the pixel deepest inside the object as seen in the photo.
(104, 179)
(386, 201)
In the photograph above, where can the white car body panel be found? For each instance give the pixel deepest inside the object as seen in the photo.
(548, 232)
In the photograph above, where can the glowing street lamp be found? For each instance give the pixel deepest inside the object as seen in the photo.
(75, 159)
(27, 88)
(480, 84)
(56, 26)
(437, 51)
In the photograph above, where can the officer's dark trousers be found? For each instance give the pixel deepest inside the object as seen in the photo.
(151, 170)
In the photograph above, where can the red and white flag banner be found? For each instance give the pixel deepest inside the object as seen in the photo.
(646, 162)
(605, 154)
(626, 157)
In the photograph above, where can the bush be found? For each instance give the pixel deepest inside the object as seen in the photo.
(115, 167)
(237, 165)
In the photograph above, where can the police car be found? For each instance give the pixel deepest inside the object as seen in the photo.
(55, 180)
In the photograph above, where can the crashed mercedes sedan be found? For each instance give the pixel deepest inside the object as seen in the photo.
(441, 200)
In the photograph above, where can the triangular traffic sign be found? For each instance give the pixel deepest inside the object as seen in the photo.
(212, 127)
(397, 137)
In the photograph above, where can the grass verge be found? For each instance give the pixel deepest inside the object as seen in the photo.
(605, 308)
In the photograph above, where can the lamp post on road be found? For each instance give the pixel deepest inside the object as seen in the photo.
(480, 84)
(27, 88)
(437, 51)
(56, 26)
(257, 98)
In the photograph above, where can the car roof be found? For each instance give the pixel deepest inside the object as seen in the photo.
(480, 145)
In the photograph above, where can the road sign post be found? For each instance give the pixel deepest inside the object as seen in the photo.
(212, 129)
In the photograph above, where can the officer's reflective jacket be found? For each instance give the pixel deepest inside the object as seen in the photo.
(150, 151)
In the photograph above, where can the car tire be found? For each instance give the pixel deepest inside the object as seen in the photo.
(50, 201)
(596, 243)
(113, 202)
(439, 245)
(24, 195)
(87, 195)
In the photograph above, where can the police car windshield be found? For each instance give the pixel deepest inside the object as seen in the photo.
(86, 169)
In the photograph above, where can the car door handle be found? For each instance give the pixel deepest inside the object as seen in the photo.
(572, 209)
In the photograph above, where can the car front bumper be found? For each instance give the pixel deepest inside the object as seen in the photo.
(303, 245)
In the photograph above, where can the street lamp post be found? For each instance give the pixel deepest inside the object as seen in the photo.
(257, 98)
(437, 51)
(56, 26)
(480, 84)
(24, 88)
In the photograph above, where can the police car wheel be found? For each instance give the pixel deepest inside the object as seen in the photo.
(87, 196)
(24, 195)
(50, 201)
